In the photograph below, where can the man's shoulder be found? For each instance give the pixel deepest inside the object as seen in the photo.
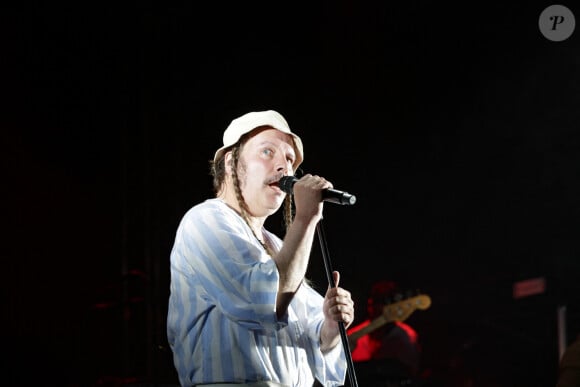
(203, 211)
(208, 205)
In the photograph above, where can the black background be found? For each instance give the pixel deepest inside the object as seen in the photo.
(455, 125)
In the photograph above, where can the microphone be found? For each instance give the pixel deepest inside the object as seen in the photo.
(286, 184)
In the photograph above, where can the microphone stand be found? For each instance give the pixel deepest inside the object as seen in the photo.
(343, 336)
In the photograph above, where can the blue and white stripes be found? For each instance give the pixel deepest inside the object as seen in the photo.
(221, 322)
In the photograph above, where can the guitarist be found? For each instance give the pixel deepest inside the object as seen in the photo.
(389, 354)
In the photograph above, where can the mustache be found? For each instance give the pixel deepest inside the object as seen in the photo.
(274, 179)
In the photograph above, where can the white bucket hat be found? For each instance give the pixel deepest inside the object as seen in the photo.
(250, 121)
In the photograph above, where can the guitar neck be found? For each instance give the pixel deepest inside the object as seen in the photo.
(399, 311)
(375, 324)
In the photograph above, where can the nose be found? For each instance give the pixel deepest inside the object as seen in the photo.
(283, 165)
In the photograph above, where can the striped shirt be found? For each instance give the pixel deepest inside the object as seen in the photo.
(221, 322)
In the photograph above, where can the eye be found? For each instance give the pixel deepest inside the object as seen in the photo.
(267, 151)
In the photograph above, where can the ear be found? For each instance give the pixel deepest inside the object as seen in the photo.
(228, 162)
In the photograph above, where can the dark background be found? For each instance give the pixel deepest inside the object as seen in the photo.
(455, 125)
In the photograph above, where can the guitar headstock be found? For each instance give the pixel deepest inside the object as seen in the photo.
(401, 310)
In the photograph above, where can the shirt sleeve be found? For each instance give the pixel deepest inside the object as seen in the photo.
(329, 367)
(234, 272)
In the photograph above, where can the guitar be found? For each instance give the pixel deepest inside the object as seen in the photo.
(395, 311)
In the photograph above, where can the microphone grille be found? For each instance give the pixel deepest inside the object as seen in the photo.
(286, 183)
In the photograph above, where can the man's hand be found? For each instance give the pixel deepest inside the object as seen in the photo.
(338, 307)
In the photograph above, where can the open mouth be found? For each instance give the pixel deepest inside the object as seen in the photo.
(275, 186)
(274, 182)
